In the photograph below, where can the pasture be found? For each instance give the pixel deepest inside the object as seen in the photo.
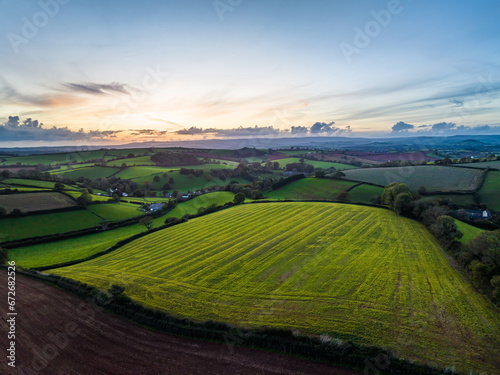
(32, 183)
(310, 189)
(469, 232)
(192, 206)
(483, 164)
(314, 163)
(357, 273)
(88, 172)
(31, 202)
(140, 160)
(116, 211)
(363, 193)
(434, 178)
(490, 191)
(45, 224)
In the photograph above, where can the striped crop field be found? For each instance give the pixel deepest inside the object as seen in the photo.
(433, 178)
(353, 272)
(88, 172)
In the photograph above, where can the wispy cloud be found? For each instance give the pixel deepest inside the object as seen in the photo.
(99, 88)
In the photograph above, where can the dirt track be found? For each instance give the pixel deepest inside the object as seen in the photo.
(58, 333)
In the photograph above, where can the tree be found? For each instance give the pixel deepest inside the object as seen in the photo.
(239, 198)
(4, 255)
(146, 222)
(320, 173)
(58, 186)
(166, 186)
(115, 198)
(115, 290)
(338, 175)
(123, 166)
(257, 194)
(16, 212)
(402, 203)
(391, 193)
(422, 190)
(171, 180)
(156, 178)
(85, 199)
(3, 211)
(445, 229)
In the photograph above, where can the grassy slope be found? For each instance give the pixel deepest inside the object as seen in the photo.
(469, 232)
(310, 189)
(45, 224)
(35, 183)
(191, 207)
(434, 178)
(31, 202)
(363, 193)
(359, 272)
(490, 191)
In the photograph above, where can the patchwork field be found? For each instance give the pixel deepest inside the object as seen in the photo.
(192, 206)
(310, 189)
(358, 273)
(363, 193)
(490, 191)
(35, 183)
(31, 202)
(484, 164)
(89, 172)
(314, 163)
(434, 178)
(45, 224)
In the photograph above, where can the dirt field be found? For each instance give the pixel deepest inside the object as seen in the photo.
(30, 202)
(59, 334)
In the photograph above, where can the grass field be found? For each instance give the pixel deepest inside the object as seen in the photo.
(469, 232)
(34, 183)
(490, 191)
(310, 189)
(483, 164)
(191, 207)
(434, 178)
(45, 224)
(95, 198)
(363, 193)
(116, 211)
(140, 160)
(359, 273)
(314, 163)
(88, 172)
(31, 202)
(458, 200)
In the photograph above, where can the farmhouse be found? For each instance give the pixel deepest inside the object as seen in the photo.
(479, 214)
(155, 206)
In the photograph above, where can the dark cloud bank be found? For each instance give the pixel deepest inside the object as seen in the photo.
(441, 128)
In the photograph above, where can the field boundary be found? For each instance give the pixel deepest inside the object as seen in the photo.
(349, 354)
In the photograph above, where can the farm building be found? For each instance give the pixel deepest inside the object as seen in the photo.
(479, 214)
(155, 206)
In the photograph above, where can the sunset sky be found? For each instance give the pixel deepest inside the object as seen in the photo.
(167, 65)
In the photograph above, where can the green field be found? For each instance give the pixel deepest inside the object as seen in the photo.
(310, 189)
(359, 273)
(116, 211)
(434, 178)
(95, 198)
(31, 202)
(458, 200)
(191, 206)
(484, 164)
(45, 224)
(469, 232)
(88, 172)
(490, 191)
(363, 193)
(140, 160)
(314, 163)
(34, 183)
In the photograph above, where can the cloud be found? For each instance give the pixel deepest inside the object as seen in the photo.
(443, 126)
(402, 127)
(32, 130)
(99, 89)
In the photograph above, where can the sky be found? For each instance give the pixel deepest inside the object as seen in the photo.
(125, 70)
